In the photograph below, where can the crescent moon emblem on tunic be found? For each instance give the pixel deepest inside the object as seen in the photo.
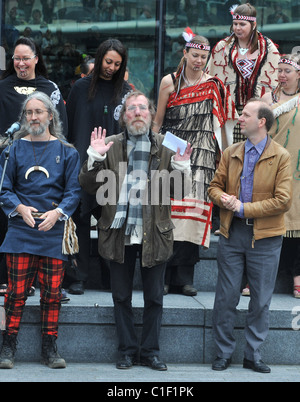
(39, 168)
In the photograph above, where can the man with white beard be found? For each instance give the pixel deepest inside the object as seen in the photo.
(40, 193)
(133, 225)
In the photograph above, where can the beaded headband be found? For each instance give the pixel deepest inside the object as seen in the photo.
(188, 35)
(197, 46)
(240, 17)
(292, 63)
(243, 17)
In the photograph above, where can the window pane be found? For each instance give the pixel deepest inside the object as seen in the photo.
(69, 31)
(278, 20)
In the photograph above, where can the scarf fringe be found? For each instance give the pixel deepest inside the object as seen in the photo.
(130, 229)
(117, 223)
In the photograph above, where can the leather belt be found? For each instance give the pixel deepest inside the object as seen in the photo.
(247, 221)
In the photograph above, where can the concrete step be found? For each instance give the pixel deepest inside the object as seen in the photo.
(87, 329)
(205, 276)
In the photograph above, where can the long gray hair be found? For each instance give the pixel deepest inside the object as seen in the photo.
(55, 126)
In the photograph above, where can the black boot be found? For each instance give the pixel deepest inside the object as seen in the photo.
(8, 351)
(50, 356)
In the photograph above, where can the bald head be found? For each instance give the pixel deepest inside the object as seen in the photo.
(263, 111)
(256, 120)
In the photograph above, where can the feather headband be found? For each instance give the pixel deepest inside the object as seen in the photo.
(240, 17)
(188, 35)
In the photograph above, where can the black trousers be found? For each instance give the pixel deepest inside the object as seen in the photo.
(121, 276)
(181, 266)
(290, 256)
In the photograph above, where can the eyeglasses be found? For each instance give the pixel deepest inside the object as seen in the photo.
(37, 112)
(24, 59)
(132, 108)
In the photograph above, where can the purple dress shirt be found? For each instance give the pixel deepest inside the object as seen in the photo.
(252, 155)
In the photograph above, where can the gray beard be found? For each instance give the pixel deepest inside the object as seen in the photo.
(134, 131)
(138, 131)
(39, 131)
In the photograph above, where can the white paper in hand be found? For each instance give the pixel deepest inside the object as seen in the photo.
(172, 142)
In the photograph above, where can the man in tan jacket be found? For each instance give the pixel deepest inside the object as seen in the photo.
(253, 189)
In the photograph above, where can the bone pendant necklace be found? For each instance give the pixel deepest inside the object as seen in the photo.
(37, 167)
(243, 50)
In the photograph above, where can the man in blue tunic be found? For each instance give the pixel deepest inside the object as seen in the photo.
(40, 193)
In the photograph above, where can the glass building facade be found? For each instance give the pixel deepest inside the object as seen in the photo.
(68, 31)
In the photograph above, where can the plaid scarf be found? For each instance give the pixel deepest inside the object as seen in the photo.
(129, 203)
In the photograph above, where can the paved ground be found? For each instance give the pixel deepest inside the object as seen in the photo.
(185, 374)
(143, 378)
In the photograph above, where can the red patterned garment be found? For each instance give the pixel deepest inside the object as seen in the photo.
(197, 114)
(22, 270)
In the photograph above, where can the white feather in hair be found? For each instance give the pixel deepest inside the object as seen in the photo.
(233, 7)
(188, 34)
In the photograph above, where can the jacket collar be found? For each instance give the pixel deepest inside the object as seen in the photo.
(268, 152)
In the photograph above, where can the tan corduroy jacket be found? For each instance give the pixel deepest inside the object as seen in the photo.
(272, 188)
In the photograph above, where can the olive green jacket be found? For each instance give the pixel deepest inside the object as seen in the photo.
(157, 242)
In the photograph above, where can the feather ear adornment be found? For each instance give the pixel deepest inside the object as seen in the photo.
(232, 8)
(188, 34)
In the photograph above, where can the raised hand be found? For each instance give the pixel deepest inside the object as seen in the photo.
(98, 141)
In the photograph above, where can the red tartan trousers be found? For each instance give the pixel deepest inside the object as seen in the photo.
(22, 269)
